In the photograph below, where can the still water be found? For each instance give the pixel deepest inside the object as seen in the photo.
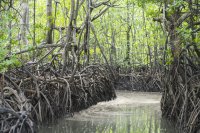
(130, 112)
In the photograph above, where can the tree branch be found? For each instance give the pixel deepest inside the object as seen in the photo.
(100, 4)
(182, 18)
(38, 47)
(102, 11)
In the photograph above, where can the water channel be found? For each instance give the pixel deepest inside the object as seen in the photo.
(130, 112)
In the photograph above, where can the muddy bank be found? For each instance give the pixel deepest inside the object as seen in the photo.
(30, 97)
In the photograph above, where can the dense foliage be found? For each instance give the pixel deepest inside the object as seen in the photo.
(126, 31)
(156, 35)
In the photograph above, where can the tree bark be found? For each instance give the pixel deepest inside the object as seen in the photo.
(149, 55)
(68, 37)
(113, 53)
(24, 21)
(87, 33)
(49, 36)
(128, 35)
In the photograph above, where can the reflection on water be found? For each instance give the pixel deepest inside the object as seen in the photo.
(129, 113)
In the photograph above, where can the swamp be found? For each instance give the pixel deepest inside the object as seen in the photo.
(99, 66)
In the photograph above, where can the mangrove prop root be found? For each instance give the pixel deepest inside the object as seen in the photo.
(138, 81)
(29, 95)
(181, 94)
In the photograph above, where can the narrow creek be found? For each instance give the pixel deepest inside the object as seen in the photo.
(130, 112)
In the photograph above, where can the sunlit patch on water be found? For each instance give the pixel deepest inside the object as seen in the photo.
(131, 112)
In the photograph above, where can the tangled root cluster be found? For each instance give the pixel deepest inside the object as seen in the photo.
(30, 95)
(181, 97)
(138, 81)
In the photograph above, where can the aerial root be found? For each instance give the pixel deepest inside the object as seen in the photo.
(29, 97)
(180, 101)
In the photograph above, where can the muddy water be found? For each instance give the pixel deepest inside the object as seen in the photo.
(131, 112)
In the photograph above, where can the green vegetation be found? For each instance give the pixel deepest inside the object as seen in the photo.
(160, 36)
(114, 21)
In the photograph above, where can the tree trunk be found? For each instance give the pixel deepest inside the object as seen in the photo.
(155, 53)
(49, 36)
(113, 53)
(24, 21)
(128, 35)
(149, 55)
(87, 33)
(10, 36)
(34, 31)
(68, 37)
